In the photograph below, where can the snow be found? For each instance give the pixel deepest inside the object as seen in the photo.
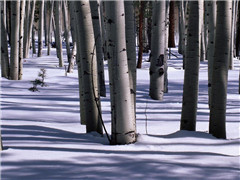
(43, 138)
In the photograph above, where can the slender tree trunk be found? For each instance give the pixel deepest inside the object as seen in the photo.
(89, 67)
(123, 124)
(166, 47)
(58, 33)
(131, 47)
(158, 51)
(171, 37)
(74, 29)
(46, 21)
(140, 34)
(181, 28)
(50, 27)
(33, 40)
(186, 12)
(14, 56)
(211, 11)
(238, 34)
(74, 36)
(4, 47)
(191, 76)
(22, 13)
(30, 26)
(26, 26)
(103, 29)
(66, 32)
(231, 55)
(217, 125)
(40, 28)
(8, 20)
(98, 44)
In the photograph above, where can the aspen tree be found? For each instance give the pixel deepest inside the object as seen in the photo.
(211, 11)
(217, 125)
(66, 28)
(40, 28)
(88, 67)
(26, 26)
(14, 55)
(4, 46)
(233, 23)
(74, 29)
(131, 47)
(123, 118)
(58, 36)
(158, 52)
(50, 27)
(29, 29)
(140, 33)
(98, 44)
(191, 75)
(33, 40)
(22, 13)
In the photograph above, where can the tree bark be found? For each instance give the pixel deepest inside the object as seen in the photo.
(33, 40)
(14, 56)
(58, 33)
(89, 67)
(171, 37)
(140, 34)
(217, 125)
(158, 52)
(191, 76)
(4, 47)
(74, 29)
(98, 45)
(123, 119)
(40, 28)
(131, 47)
(22, 13)
(26, 26)
(211, 11)
(50, 27)
(66, 32)
(238, 34)
(29, 34)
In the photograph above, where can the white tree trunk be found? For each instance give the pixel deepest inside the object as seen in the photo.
(4, 47)
(158, 52)
(98, 44)
(217, 125)
(211, 11)
(88, 67)
(131, 47)
(58, 36)
(14, 56)
(74, 14)
(40, 28)
(191, 76)
(26, 26)
(22, 13)
(30, 26)
(123, 124)
(66, 32)
(103, 28)
(166, 47)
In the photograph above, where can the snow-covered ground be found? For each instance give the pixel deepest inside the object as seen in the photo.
(43, 138)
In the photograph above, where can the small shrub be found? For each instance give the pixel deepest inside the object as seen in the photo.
(39, 82)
